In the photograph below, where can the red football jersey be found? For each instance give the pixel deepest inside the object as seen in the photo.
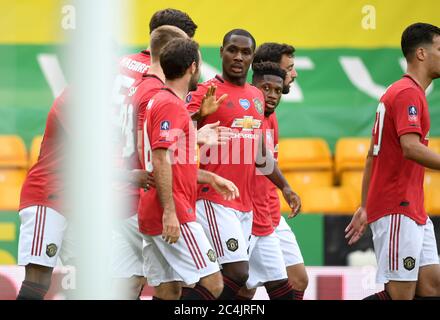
(132, 69)
(44, 184)
(167, 125)
(272, 143)
(243, 112)
(266, 210)
(396, 184)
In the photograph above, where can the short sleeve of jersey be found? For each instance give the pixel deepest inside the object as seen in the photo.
(168, 122)
(407, 112)
(194, 99)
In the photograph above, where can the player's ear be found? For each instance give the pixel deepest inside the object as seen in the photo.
(221, 52)
(420, 53)
(193, 68)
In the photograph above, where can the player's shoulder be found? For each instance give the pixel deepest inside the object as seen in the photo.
(138, 56)
(254, 90)
(403, 87)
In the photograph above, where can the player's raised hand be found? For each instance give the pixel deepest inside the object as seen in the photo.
(171, 226)
(226, 188)
(293, 200)
(209, 102)
(212, 134)
(357, 226)
(142, 179)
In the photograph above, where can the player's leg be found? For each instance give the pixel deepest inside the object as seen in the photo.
(161, 276)
(428, 285)
(127, 260)
(189, 260)
(224, 228)
(266, 267)
(397, 244)
(293, 259)
(41, 236)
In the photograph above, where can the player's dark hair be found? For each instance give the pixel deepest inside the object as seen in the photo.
(177, 56)
(173, 17)
(417, 35)
(239, 32)
(161, 36)
(271, 51)
(267, 68)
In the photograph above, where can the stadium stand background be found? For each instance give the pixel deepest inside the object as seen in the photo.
(343, 69)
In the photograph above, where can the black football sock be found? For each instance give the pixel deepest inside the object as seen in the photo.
(426, 298)
(32, 291)
(383, 295)
(282, 292)
(298, 295)
(230, 289)
(197, 293)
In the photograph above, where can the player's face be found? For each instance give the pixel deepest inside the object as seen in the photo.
(196, 76)
(237, 56)
(434, 58)
(272, 88)
(287, 63)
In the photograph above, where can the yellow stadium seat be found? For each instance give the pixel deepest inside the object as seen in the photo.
(432, 201)
(35, 150)
(9, 197)
(434, 144)
(306, 179)
(6, 258)
(304, 154)
(432, 179)
(12, 152)
(12, 176)
(352, 179)
(350, 154)
(336, 200)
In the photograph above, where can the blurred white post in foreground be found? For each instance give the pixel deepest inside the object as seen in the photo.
(92, 54)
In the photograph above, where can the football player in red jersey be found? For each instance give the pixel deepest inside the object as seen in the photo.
(228, 223)
(266, 262)
(283, 55)
(176, 249)
(43, 237)
(392, 187)
(127, 260)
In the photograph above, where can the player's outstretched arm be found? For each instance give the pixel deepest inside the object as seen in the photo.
(414, 150)
(358, 224)
(164, 185)
(226, 188)
(213, 135)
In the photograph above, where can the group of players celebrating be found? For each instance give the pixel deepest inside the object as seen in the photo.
(200, 176)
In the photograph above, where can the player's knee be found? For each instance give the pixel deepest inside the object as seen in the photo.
(429, 289)
(400, 292)
(299, 282)
(246, 294)
(38, 274)
(213, 283)
(168, 292)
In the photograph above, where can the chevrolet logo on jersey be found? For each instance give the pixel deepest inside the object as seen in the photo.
(248, 123)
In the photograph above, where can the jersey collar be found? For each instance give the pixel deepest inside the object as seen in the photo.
(148, 75)
(413, 80)
(171, 91)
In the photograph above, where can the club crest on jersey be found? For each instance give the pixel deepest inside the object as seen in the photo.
(409, 263)
(188, 98)
(412, 113)
(51, 250)
(211, 255)
(232, 244)
(248, 123)
(258, 106)
(244, 103)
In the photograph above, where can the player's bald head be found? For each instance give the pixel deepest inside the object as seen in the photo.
(161, 36)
